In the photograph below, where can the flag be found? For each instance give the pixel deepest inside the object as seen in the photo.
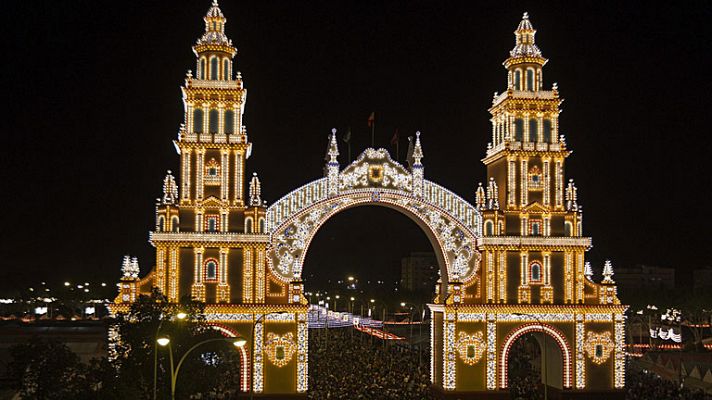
(347, 136)
(394, 139)
(371, 119)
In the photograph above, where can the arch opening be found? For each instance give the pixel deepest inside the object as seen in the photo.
(536, 354)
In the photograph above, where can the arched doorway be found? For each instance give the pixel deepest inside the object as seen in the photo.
(388, 349)
(536, 354)
(241, 351)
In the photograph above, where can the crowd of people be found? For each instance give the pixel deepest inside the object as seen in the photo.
(352, 365)
(641, 385)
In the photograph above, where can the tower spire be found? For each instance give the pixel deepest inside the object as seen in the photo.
(525, 46)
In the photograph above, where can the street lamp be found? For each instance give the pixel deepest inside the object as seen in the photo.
(166, 341)
(546, 380)
(161, 341)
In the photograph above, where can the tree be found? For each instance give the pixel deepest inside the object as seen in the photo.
(47, 370)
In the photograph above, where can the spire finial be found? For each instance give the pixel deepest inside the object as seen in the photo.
(524, 16)
(588, 271)
(170, 189)
(417, 150)
(525, 46)
(608, 272)
(333, 150)
(255, 191)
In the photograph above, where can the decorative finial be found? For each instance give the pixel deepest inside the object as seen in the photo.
(255, 191)
(525, 16)
(417, 150)
(215, 3)
(588, 271)
(129, 267)
(333, 151)
(170, 189)
(608, 272)
(480, 196)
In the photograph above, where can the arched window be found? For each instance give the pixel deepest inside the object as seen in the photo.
(533, 130)
(530, 79)
(214, 68)
(518, 79)
(213, 122)
(547, 131)
(500, 228)
(211, 270)
(262, 225)
(519, 129)
(489, 228)
(175, 224)
(535, 272)
(161, 224)
(248, 225)
(229, 121)
(568, 229)
(535, 228)
(198, 120)
(226, 71)
(202, 74)
(211, 223)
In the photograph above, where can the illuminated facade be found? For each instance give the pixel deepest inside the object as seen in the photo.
(511, 264)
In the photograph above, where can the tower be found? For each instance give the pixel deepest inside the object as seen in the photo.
(533, 247)
(207, 228)
(526, 196)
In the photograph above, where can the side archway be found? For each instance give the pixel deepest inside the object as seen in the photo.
(242, 351)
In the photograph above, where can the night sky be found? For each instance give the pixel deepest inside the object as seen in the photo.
(92, 104)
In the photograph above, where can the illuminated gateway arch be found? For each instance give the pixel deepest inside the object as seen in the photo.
(512, 261)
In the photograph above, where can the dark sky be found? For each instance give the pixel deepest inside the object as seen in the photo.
(92, 104)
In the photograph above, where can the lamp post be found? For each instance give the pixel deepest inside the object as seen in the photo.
(166, 341)
(545, 366)
(181, 316)
(252, 349)
(383, 318)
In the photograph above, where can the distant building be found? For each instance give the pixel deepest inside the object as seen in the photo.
(419, 272)
(702, 279)
(645, 277)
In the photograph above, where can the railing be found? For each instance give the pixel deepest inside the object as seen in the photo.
(294, 201)
(214, 84)
(453, 204)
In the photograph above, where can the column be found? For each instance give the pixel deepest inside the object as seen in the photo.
(173, 275)
(260, 283)
(225, 174)
(490, 276)
(160, 279)
(247, 275)
(223, 289)
(580, 356)
(547, 181)
(523, 180)
(559, 184)
(185, 173)
(502, 276)
(511, 182)
(200, 159)
(579, 277)
(568, 277)
(239, 176)
(198, 289)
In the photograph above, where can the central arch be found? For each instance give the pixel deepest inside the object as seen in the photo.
(559, 339)
(452, 224)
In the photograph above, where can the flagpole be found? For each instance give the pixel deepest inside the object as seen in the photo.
(373, 129)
